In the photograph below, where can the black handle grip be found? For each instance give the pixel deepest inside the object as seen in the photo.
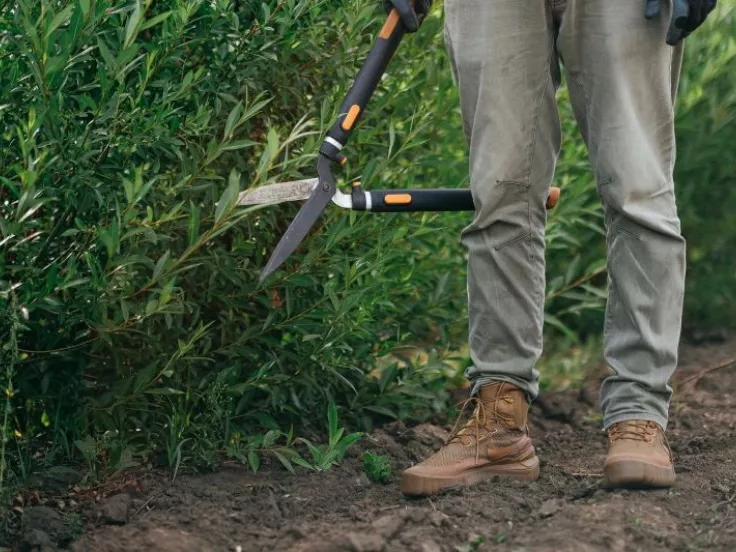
(365, 84)
(680, 13)
(392, 201)
(438, 199)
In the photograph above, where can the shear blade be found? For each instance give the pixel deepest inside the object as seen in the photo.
(300, 226)
(295, 190)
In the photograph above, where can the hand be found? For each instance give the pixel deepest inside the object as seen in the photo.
(687, 15)
(411, 17)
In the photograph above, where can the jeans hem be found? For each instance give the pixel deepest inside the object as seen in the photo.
(608, 421)
(531, 389)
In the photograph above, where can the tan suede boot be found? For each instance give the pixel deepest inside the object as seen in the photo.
(639, 456)
(494, 441)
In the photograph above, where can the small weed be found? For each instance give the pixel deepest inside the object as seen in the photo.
(326, 456)
(377, 468)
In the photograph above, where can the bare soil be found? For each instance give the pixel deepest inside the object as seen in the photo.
(567, 509)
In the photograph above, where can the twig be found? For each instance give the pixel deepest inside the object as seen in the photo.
(146, 503)
(702, 373)
(584, 474)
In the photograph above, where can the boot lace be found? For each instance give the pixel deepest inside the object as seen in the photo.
(636, 431)
(639, 431)
(479, 420)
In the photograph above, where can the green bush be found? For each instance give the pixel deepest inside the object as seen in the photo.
(134, 328)
(142, 333)
(705, 172)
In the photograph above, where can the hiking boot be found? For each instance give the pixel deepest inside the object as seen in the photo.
(639, 456)
(494, 441)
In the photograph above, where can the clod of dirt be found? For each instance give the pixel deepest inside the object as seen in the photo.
(115, 510)
(42, 519)
(364, 542)
(438, 519)
(388, 526)
(550, 507)
(362, 482)
(429, 435)
(416, 515)
(430, 546)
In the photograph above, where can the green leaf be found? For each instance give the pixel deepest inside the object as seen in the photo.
(160, 265)
(237, 145)
(55, 64)
(332, 420)
(84, 4)
(193, 225)
(284, 461)
(270, 437)
(131, 29)
(272, 143)
(229, 197)
(58, 20)
(156, 20)
(254, 460)
(88, 448)
(106, 54)
(382, 410)
(151, 307)
(233, 119)
(303, 463)
(557, 323)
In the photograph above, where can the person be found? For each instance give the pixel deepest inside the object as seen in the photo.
(622, 76)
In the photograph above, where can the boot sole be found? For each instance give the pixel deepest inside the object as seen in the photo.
(632, 474)
(421, 485)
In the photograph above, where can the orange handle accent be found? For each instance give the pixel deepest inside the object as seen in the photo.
(553, 197)
(397, 199)
(353, 113)
(390, 24)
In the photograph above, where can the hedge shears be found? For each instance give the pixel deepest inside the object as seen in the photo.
(319, 192)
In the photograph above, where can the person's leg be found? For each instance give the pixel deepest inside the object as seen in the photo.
(507, 71)
(506, 68)
(623, 78)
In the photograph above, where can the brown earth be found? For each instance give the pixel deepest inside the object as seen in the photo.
(566, 509)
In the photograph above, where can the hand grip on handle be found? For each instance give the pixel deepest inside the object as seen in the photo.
(680, 13)
(365, 84)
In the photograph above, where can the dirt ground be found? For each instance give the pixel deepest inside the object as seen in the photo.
(566, 509)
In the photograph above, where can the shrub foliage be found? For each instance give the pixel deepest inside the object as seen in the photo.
(133, 325)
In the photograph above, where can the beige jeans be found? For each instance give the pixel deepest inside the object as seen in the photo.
(622, 79)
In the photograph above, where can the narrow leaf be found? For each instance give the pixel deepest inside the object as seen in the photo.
(58, 20)
(254, 460)
(155, 20)
(284, 461)
(233, 119)
(131, 29)
(228, 197)
(332, 419)
(237, 145)
(160, 265)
